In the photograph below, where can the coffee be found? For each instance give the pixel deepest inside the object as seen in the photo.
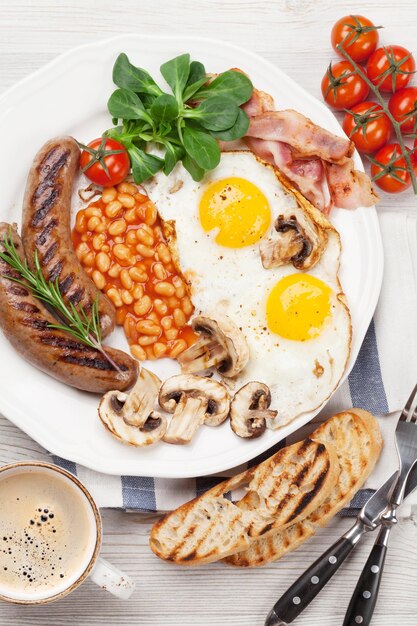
(46, 534)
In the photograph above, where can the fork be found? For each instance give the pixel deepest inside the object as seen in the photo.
(363, 601)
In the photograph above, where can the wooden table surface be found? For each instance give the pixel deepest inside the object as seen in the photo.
(294, 34)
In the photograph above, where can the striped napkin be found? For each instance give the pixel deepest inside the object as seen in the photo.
(380, 382)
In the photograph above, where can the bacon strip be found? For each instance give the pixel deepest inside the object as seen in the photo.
(306, 138)
(260, 102)
(306, 174)
(307, 154)
(349, 188)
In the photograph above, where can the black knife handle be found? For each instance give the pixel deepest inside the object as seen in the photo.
(363, 601)
(307, 587)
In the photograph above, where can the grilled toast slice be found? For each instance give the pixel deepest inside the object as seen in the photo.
(280, 491)
(357, 439)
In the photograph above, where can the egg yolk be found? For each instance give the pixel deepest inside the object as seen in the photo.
(298, 307)
(238, 209)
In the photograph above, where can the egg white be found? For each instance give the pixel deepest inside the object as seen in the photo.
(234, 282)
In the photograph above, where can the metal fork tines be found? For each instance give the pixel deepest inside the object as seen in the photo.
(406, 441)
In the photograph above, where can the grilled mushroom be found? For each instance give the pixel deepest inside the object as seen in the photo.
(249, 410)
(221, 345)
(130, 417)
(298, 243)
(141, 399)
(193, 400)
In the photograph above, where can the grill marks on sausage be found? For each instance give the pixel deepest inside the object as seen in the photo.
(43, 236)
(50, 253)
(35, 322)
(48, 202)
(17, 290)
(28, 307)
(46, 228)
(43, 199)
(64, 343)
(55, 271)
(76, 298)
(52, 163)
(96, 362)
(66, 283)
(49, 188)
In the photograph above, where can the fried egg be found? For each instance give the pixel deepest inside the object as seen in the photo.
(296, 323)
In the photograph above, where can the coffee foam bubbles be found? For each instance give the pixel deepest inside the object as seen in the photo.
(46, 534)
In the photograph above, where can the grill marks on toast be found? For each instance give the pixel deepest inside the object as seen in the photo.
(357, 439)
(284, 488)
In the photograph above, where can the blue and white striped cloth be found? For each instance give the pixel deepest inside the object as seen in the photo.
(380, 382)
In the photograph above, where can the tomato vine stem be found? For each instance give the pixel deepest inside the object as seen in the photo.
(396, 126)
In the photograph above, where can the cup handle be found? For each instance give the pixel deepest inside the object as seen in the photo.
(108, 577)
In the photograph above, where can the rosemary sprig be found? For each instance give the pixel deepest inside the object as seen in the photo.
(84, 328)
(397, 126)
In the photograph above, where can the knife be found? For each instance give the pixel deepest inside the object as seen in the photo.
(312, 581)
(363, 601)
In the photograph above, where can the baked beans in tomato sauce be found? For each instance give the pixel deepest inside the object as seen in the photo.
(119, 241)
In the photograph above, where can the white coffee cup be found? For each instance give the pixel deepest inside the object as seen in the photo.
(104, 574)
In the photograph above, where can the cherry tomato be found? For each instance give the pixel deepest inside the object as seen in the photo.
(111, 154)
(394, 167)
(394, 60)
(341, 88)
(403, 106)
(367, 126)
(358, 36)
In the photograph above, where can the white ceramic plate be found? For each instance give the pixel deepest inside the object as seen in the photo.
(69, 96)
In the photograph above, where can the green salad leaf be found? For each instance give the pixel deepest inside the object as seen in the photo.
(127, 76)
(164, 108)
(215, 113)
(232, 84)
(185, 125)
(176, 73)
(202, 148)
(144, 165)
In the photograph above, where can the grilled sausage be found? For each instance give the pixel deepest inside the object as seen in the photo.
(26, 324)
(46, 227)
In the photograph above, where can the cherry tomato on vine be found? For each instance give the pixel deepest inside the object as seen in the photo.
(358, 36)
(105, 161)
(403, 106)
(367, 126)
(389, 169)
(341, 87)
(393, 65)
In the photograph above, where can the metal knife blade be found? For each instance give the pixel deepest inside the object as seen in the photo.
(378, 502)
(411, 482)
(372, 510)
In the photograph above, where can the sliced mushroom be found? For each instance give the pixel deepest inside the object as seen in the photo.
(221, 345)
(298, 241)
(193, 400)
(249, 410)
(130, 417)
(141, 399)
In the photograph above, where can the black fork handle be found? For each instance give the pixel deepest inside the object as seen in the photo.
(362, 604)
